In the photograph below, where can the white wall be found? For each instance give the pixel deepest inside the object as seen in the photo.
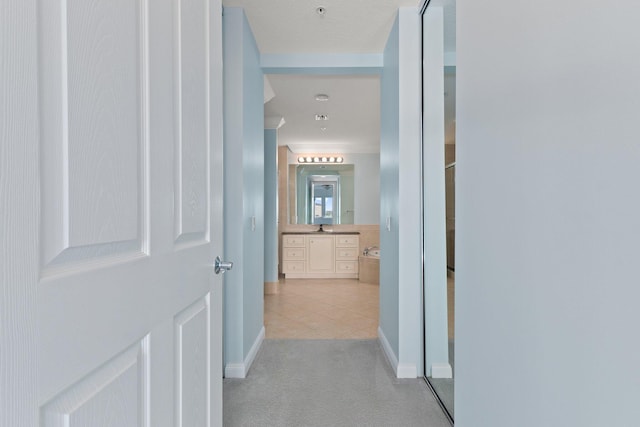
(548, 213)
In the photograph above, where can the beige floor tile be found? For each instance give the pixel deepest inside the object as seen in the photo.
(322, 309)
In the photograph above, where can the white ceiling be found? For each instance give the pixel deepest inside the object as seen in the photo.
(293, 26)
(353, 112)
(347, 26)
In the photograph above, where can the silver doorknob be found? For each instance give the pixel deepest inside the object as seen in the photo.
(222, 266)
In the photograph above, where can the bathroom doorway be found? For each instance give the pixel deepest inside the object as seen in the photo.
(328, 173)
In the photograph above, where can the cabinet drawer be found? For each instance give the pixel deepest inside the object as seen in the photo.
(346, 266)
(346, 241)
(293, 241)
(293, 253)
(293, 267)
(346, 253)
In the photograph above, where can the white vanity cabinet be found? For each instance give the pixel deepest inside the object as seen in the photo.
(316, 255)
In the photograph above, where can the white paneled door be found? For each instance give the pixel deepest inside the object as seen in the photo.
(111, 163)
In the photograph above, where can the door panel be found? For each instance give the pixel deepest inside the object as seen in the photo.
(94, 115)
(193, 364)
(115, 395)
(192, 65)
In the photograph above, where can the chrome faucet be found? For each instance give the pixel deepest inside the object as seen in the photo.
(320, 229)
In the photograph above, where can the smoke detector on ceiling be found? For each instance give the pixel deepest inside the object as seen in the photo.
(322, 117)
(321, 11)
(322, 97)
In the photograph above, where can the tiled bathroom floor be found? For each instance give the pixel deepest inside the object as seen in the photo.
(322, 309)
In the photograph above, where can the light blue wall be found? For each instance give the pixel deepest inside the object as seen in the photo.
(270, 205)
(389, 190)
(244, 188)
(400, 194)
(319, 63)
(410, 208)
(548, 214)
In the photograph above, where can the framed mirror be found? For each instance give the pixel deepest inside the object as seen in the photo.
(321, 194)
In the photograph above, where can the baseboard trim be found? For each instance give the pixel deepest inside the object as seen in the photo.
(271, 288)
(441, 370)
(388, 351)
(234, 370)
(407, 370)
(251, 356)
(240, 370)
(402, 370)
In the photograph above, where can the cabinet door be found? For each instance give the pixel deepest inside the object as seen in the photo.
(321, 254)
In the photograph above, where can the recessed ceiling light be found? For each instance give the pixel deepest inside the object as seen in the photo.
(322, 97)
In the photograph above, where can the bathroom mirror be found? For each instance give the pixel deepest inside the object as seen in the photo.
(321, 194)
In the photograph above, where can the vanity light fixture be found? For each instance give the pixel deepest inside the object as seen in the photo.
(318, 159)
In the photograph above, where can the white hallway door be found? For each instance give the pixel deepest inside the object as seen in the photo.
(111, 213)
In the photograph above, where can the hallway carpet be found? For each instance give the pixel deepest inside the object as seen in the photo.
(327, 383)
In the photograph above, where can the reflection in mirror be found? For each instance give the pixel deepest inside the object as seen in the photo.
(439, 23)
(321, 194)
(325, 208)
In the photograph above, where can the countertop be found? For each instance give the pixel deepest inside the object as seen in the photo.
(321, 232)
